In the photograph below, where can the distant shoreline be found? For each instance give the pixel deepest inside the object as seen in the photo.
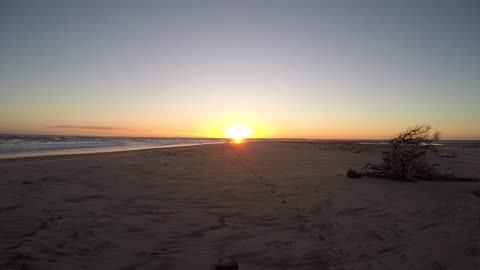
(86, 151)
(185, 142)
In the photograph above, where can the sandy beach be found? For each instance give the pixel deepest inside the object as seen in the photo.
(270, 205)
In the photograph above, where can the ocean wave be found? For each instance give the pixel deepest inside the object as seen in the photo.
(12, 141)
(10, 144)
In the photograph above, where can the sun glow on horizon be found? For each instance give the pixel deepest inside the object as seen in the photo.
(238, 132)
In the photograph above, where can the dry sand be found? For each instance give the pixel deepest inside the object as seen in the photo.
(271, 205)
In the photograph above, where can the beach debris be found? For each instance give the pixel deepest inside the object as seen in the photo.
(353, 174)
(226, 263)
(408, 159)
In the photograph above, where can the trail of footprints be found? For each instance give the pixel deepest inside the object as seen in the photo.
(300, 218)
(260, 178)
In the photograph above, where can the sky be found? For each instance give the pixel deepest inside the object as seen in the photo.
(296, 69)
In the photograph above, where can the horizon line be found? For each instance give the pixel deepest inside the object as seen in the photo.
(218, 138)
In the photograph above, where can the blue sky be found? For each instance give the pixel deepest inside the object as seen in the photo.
(316, 69)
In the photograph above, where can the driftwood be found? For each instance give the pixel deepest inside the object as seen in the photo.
(408, 159)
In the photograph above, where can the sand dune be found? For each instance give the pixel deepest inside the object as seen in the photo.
(271, 205)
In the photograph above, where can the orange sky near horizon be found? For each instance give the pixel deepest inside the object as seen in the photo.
(333, 129)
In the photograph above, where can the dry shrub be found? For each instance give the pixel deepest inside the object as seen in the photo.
(408, 158)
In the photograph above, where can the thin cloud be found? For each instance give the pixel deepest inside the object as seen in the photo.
(88, 127)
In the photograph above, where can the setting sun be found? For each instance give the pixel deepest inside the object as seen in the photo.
(238, 132)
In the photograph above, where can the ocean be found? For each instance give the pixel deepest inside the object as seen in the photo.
(43, 145)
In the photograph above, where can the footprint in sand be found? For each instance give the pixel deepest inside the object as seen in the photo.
(85, 198)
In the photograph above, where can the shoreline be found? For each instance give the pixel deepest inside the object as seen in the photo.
(115, 149)
(92, 151)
